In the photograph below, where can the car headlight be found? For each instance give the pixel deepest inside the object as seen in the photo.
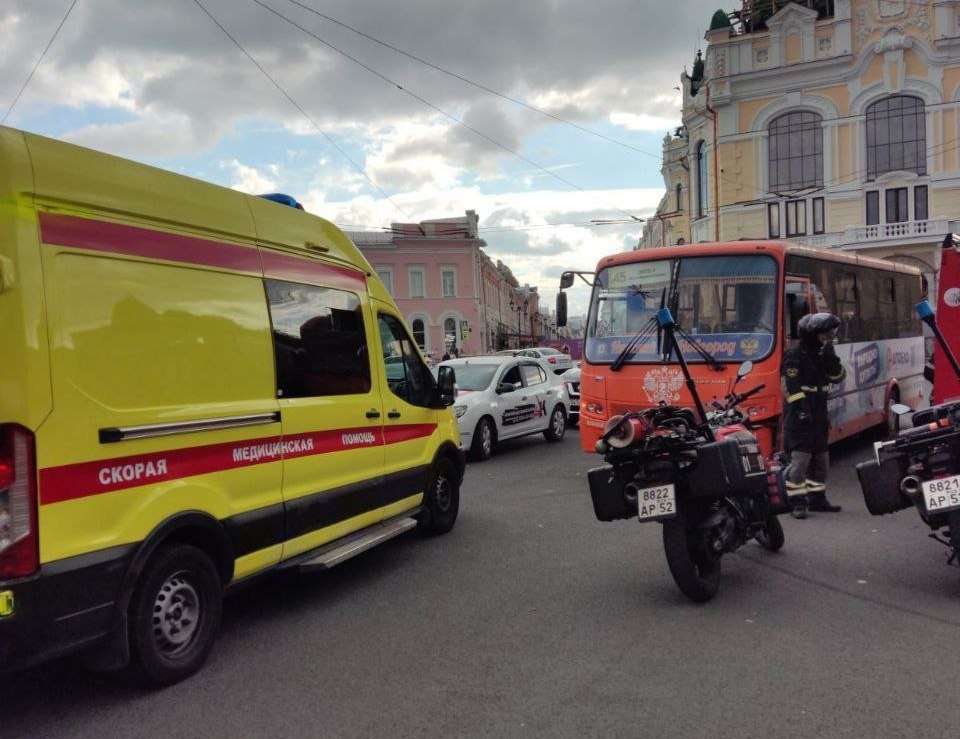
(459, 410)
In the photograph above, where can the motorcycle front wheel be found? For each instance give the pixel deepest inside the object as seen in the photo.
(696, 574)
(771, 537)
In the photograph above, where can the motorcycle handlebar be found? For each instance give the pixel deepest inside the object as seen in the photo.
(753, 391)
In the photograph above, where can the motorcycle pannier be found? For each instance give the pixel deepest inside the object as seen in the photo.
(718, 471)
(609, 501)
(880, 483)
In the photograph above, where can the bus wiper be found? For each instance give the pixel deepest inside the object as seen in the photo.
(700, 349)
(628, 351)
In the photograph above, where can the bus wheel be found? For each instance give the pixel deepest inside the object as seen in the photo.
(174, 615)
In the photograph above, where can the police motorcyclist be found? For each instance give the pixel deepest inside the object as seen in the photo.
(808, 370)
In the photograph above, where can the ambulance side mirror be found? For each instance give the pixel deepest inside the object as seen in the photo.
(446, 381)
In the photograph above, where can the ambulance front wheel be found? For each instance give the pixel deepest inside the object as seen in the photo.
(441, 499)
(174, 615)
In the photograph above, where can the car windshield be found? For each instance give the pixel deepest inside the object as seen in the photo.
(474, 376)
(727, 302)
(549, 351)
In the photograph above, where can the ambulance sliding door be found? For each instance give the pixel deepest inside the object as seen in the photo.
(332, 415)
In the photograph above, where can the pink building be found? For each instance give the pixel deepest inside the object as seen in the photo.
(454, 297)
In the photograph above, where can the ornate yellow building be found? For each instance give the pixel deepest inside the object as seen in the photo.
(834, 123)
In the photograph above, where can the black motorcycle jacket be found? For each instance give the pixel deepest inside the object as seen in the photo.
(808, 371)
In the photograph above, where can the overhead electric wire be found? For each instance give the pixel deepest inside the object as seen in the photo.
(37, 65)
(302, 110)
(471, 82)
(437, 108)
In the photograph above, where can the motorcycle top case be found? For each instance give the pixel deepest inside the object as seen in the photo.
(880, 484)
(723, 469)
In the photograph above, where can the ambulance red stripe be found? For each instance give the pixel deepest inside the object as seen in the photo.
(117, 238)
(73, 481)
(285, 267)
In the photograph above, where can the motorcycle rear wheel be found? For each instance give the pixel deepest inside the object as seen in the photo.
(697, 576)
(771, 537)
(953, 521)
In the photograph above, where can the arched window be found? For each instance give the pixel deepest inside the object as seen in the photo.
(701, 178)
(681, 241)
(795, 151)
(679, 190)
(896, 136)
(449, 333)
(419, 333)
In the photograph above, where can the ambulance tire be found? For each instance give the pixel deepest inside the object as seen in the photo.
(174, 615)
(441, 499)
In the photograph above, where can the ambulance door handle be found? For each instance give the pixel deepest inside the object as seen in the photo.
(373, 413)
(393, 414)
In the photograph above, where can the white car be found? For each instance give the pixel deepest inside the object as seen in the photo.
(556, 359)
(571, 383)
(502, 397)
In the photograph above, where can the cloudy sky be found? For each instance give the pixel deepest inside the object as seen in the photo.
(461, 113)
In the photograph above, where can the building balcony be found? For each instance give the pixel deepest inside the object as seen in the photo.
(881, 235)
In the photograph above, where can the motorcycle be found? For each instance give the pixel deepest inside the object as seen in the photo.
(918, 467)
(705, 480)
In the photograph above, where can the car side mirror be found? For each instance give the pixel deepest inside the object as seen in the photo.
(505, 387)
(446, 381)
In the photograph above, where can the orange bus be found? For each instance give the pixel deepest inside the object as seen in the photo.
(742, 300)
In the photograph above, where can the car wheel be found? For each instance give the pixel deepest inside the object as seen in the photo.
(441, 499)
(174, 615)
(558, 424)
(484, 438)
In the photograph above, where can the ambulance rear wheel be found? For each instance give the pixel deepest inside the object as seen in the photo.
(441, 499)
(174, 615)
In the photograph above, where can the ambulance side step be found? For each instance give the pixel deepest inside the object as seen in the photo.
(366, 539)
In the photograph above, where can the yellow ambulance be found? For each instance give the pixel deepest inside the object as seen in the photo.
(196, 387)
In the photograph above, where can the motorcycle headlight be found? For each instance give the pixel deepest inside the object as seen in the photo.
(459, 410)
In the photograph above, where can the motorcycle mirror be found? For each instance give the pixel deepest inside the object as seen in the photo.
(900, 409)
(744, 369)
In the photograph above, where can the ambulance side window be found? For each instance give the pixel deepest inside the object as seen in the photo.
(319, 342)
(407, 376)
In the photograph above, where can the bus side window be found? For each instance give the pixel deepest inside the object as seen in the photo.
(797, 307)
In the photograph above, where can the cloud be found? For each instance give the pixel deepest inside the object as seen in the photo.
(249, 180)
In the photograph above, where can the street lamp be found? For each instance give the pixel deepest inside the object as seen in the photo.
(521, 309)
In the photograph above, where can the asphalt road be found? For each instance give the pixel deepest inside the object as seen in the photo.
(531, 618)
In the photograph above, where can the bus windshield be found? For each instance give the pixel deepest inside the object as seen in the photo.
(727, 302)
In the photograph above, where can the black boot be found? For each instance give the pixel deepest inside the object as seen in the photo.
(818, 502)
(798, 506)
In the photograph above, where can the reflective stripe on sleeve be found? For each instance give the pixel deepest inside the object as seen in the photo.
(795, 397)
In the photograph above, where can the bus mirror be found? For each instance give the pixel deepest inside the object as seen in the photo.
(566, 280)
(562, 307)
(744, 369)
